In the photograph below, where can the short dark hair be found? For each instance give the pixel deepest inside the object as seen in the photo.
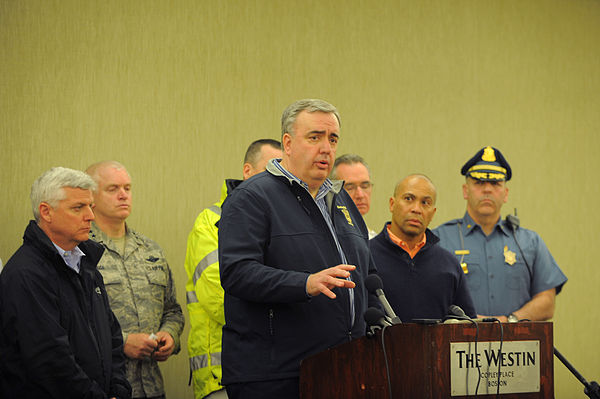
(253, 151)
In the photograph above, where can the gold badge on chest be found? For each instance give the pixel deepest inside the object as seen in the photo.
(509, 256)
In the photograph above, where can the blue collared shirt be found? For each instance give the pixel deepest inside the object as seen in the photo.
(72, 258)
(497, 275)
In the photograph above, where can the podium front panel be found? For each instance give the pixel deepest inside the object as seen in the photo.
(419, 362)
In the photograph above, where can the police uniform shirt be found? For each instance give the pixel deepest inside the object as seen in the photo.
(498, 278)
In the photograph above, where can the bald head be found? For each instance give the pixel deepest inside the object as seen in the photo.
(95, 170)
(412, 208)
(410, 179)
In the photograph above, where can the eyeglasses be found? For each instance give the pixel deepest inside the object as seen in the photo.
(365, 186)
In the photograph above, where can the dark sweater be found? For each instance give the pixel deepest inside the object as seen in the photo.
(423, 287)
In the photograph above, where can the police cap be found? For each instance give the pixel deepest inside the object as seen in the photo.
(487, 165)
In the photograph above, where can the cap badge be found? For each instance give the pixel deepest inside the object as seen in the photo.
(488, 154)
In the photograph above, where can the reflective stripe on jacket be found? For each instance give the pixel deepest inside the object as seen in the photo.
(204, 297)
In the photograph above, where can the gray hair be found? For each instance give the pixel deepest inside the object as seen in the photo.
(94, 169)
(348, 159)
(49, 187)
(309, 105)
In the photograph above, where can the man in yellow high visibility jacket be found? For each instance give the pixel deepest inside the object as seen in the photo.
(203, 290)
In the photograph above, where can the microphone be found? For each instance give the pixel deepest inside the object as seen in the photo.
(457, 315)
(375, 286)
(457, 311)
(513, 221)
(375, 319)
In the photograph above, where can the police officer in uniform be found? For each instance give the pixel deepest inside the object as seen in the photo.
(510, 272)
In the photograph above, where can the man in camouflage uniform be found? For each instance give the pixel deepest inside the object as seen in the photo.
(138, 281)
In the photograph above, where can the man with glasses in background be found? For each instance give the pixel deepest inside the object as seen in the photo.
(355, 173)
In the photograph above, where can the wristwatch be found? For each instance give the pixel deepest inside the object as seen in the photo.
(512, 318)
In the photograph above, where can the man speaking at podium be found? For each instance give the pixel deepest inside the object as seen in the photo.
(286, 236)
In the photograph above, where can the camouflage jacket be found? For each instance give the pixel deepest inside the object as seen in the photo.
(142, 296)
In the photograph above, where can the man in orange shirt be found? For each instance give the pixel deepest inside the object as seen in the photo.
(420, 278)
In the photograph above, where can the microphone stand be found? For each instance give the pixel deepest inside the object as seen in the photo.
(592, 390)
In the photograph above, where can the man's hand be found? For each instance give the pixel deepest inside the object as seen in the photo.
(539, 308)
(325, 280)
(166, 344)
(139, 346)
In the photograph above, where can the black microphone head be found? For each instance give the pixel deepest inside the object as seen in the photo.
(373, 282)
(373, 316)
(457, 311)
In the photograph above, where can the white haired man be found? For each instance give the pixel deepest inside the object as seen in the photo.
(58, 335)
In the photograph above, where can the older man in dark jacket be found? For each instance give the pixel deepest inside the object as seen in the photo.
(58, 336)
(286, 236)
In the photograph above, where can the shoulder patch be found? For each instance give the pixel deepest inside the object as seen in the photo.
(346, 214)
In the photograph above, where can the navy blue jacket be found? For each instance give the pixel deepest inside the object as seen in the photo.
(423, 287)
(58, 336)
(271, 237)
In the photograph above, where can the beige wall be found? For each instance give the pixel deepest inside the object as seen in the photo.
(176, 90)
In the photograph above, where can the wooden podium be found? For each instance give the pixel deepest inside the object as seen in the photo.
(419, 358)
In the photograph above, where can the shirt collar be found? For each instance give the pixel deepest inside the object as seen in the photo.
(275, 166)
(100, 236)
(402, 244)
(468, 225)
(72, 258)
